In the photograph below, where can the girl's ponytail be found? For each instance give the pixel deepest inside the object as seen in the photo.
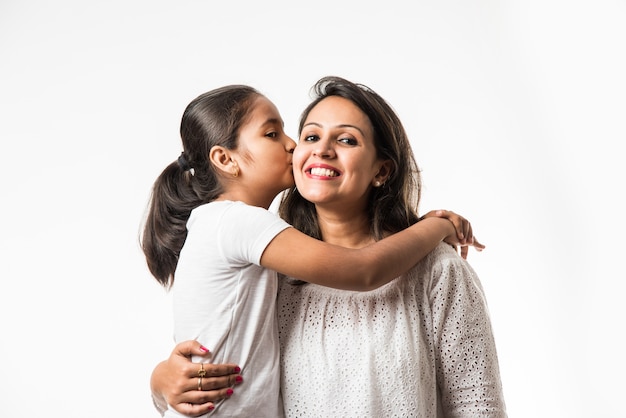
(164, 234)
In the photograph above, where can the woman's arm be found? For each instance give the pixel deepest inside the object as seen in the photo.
(175, 381)
(297, 255)
(465, 350)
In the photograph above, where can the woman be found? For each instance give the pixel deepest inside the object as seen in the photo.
(421, 345)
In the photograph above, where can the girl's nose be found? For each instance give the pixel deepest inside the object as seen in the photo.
(290, 145)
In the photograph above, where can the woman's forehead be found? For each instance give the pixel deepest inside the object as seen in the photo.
(338, 111)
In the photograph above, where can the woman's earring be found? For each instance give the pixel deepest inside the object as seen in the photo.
(236, 172)
(377, 183)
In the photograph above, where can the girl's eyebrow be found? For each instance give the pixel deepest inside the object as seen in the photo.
(343, 125)
(273, 121)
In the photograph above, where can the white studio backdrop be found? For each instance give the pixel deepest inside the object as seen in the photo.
(516, 113)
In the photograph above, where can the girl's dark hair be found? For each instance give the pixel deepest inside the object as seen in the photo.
(393, 206)
(213, 118)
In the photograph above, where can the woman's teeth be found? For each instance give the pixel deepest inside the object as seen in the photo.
(324, 172)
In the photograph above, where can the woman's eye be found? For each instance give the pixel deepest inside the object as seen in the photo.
(309, 138)
(348, 141)
(271, 134)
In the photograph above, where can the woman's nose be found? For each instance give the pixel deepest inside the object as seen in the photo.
(323, 149)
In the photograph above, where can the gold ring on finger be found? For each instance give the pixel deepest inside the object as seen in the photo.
(200, 383)
(201, 372)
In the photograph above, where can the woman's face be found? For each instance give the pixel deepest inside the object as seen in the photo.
(335, 160)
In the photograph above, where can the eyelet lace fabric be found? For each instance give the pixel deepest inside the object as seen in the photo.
(420, 346)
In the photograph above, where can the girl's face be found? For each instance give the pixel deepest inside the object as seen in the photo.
(335, 160)
(265, 151)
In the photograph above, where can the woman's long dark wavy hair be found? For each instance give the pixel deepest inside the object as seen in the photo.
(213, 118)
(392, 207)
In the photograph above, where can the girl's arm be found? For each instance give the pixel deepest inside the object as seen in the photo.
(463, 230)
(299, 256)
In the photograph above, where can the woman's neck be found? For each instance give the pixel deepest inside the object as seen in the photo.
(344, 228)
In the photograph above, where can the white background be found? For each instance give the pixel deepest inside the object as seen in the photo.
(516, 110)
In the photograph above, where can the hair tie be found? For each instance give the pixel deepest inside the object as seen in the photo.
(182, 162)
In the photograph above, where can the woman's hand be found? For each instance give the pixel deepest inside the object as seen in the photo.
(177, 382)
(464, 234)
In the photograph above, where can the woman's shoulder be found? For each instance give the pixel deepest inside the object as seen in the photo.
(442, 254)
(445, 267)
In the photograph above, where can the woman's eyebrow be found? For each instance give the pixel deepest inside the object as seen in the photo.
(343, 125)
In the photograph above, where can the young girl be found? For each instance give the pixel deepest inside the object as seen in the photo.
(210, 237)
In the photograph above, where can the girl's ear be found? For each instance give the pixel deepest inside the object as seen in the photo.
(383, 173)
(221, 159)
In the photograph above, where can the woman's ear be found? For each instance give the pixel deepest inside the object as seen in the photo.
(383, 173)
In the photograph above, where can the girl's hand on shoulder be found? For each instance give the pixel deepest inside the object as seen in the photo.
(192, 388)
(464, 233)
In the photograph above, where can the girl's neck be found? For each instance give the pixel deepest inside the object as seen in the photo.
(247, 198)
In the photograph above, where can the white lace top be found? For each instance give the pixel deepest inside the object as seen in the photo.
(420, 346)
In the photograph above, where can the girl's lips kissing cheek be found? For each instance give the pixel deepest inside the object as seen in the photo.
(320, 171)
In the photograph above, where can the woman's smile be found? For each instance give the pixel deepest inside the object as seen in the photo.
(321, 172)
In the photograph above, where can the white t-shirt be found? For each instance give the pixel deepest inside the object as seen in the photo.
(224, 299)
(419, 346)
